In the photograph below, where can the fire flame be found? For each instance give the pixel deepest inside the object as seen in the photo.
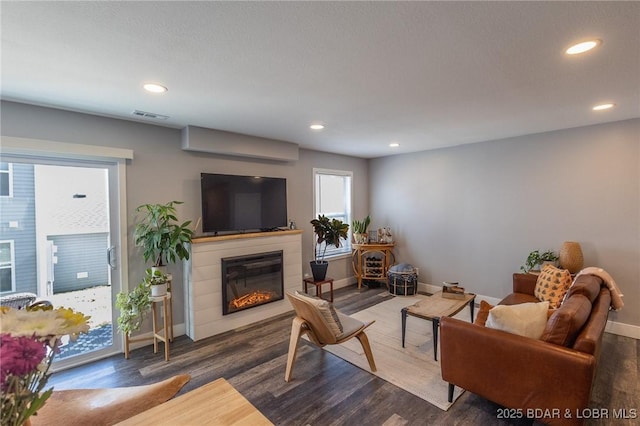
(254, 298)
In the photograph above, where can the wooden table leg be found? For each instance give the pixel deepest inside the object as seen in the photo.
(126, 346)
(155, 327)
(403, 312)
(166, 329)
(436, 324)
(171, 318)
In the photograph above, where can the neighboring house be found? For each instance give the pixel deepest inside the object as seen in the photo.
(40, 209)
(18, 272)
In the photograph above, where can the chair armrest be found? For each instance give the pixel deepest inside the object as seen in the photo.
(515, 371)
(524, 283)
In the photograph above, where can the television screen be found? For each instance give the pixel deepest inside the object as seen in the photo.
(242, 203)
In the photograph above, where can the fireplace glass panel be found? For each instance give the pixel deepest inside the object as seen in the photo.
(253, 280)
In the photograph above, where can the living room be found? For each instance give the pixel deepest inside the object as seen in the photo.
(469, 213)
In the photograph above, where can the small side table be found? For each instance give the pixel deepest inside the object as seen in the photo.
(163, 334)
(432, 309)
(318, 285)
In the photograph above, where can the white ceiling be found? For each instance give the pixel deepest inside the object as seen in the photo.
(423, 74)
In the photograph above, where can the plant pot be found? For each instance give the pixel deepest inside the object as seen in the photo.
(158, 290)
(360, 238)
(319, 269)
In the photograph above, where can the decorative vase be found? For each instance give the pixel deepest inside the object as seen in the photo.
(319, 269)
(571, 256)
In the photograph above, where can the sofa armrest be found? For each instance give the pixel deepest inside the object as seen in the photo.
(524, 283)
(515, 371)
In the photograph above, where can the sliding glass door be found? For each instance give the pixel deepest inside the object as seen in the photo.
(58, 240)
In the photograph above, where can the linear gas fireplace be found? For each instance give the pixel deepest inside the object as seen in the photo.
(253, 280)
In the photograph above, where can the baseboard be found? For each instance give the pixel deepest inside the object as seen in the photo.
(622, 329)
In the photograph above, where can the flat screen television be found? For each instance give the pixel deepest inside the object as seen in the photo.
(233, 203)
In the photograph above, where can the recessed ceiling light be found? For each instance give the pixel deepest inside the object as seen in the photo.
(154, 88)
(602, 107)
(583, 47)
(394, 144)
(316, 126)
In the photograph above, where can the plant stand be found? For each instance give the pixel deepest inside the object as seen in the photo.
(318, 285)
(164, 334)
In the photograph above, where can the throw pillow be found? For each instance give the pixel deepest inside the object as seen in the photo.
(327, 311)
(525, 319)
(552, 284)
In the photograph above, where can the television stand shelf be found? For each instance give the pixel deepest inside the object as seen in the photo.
(241, 236)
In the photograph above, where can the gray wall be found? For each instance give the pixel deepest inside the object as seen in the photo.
(472, 213)
(161, 171)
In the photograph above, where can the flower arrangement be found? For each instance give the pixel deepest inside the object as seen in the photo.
(29, 340)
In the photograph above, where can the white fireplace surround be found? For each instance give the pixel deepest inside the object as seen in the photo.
(203, 279)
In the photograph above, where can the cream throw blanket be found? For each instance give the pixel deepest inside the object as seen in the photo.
(616, 296)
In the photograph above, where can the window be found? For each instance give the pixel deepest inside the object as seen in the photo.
(332, 198)
(6, 176)
(6, 267)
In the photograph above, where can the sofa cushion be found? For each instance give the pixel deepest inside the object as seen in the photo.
(586, 285)
(327, 311)
(525, 319)
(552, 285)
(567, 321)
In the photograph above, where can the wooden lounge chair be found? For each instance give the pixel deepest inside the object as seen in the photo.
(325, 326)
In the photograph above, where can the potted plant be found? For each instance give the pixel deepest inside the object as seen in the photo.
(328, 232)
(157, 282)
(133, 306)
(536, 259)
(160, 235)
(359, 229)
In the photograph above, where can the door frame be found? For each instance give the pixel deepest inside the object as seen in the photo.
(113, 158)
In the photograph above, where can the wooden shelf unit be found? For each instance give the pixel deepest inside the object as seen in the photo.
(372, 261)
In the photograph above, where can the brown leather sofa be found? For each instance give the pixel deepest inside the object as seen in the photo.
(550, 379)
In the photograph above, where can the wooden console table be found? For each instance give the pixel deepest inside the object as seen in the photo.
(216, 403)
(364, 265)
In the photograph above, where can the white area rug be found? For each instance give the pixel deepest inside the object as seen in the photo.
(411, 368)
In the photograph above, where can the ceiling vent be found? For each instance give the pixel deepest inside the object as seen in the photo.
(150, 115)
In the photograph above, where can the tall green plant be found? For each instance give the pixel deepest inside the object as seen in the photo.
(160, 235)
(328, 232)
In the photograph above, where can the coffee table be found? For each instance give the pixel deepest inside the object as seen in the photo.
(434, 307)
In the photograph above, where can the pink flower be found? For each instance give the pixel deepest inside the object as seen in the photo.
(19, 356)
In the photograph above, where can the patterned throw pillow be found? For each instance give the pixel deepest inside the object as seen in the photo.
(327, 311)
(552, 284)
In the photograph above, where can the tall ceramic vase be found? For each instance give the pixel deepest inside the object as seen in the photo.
(571, 256)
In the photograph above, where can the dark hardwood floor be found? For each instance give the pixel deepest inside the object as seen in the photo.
(325, 389)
